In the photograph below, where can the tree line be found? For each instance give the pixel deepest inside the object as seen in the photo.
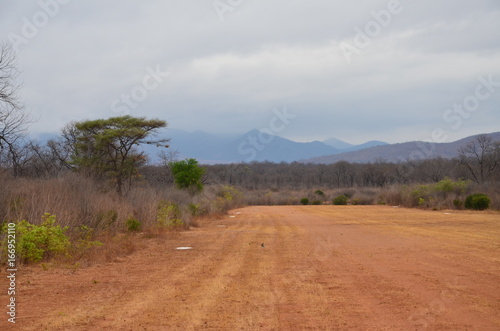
(479, 161)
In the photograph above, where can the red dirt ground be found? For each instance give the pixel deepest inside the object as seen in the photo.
(321, 268)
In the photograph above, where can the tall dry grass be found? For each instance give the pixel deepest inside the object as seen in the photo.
(77, 201)
(80, 201)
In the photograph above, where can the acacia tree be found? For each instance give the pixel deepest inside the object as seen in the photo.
(13, 120)
(107, 148)
(480, 157)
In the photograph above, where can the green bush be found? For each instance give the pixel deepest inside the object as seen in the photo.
(228, 197)
(188, 175)
(461, 186)
(304, 201)
(230, 193)
(83, 241)
(478, 201)
(446, 185)
(420, 194)
(169, 214)
(36, 242)
(133, 225)
(316, 202)
(194, 209)
(341, 200)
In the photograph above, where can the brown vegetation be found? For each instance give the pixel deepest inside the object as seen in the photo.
(80, 201)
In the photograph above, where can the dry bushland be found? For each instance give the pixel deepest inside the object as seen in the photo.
(101, 224)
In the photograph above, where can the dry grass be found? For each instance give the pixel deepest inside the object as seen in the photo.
(78, 201)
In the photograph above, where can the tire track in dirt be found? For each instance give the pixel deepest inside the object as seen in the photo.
(126, 290)
(198, 286)
(321, 268)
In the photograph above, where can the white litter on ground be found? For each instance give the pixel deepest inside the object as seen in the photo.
(183, 248)
(232, 216)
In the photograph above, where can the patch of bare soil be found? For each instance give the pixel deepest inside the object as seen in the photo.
(284, 268)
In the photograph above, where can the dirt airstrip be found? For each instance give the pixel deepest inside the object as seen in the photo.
(284, 268)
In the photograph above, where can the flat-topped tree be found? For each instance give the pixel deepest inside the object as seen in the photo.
(108, 147)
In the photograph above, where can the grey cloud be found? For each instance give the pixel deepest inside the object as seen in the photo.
(229, 75)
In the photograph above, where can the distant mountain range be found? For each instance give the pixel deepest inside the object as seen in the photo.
(260, 146)
(252, 146)
(415, 150)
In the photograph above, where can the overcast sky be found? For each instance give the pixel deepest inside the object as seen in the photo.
(356, 70)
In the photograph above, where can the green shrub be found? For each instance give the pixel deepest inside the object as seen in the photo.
(228, 197)
(461, 186)
(194, 209)
(316, 202)
(341, 200)
(420, 194)
(169, 214)
(188, 175)
(84, 241)
(133, 225)
(478, 201)
(229, 193)
(304, 201)
(36, 242)
(356, 202)
(446, 185)
(319, 193)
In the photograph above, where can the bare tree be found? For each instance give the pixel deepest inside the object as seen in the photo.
(480, 157)
(344, 174)
(434, 170)
(45, 161)
(13, 120)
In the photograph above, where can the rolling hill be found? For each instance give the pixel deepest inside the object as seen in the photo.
(415, 150)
